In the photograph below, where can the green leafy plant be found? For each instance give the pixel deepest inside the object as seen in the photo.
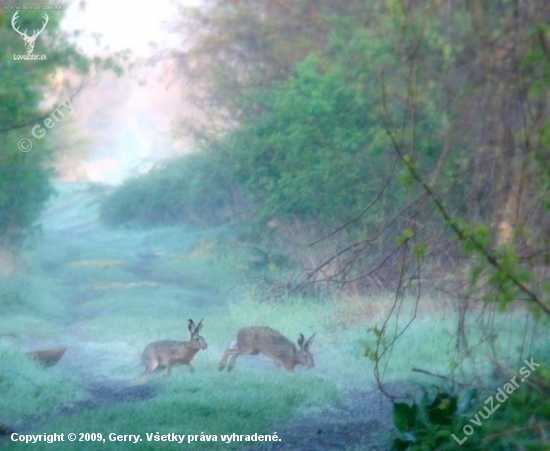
(426, 425)
(476, 419)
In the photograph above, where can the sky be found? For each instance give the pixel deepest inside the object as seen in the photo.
(123, 23)
(127, 121)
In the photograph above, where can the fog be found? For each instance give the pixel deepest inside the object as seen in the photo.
(128, 121)
(274, 225)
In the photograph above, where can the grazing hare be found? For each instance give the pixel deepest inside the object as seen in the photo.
(265, 340)
(166, 353)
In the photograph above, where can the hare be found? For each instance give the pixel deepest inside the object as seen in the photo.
(48, 357)
(265, 340)
(166, 353)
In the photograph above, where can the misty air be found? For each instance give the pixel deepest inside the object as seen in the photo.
(275, 225)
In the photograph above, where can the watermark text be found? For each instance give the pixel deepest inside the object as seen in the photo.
(501, 395)
(26, 7)
(38, 130)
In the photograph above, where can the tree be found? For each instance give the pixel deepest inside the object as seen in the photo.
(25, 173)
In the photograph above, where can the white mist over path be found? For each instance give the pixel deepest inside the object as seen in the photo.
(127, 122)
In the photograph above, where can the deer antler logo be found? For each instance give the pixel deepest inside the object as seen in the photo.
(29, 40)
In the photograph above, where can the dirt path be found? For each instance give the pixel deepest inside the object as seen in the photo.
(360, 420)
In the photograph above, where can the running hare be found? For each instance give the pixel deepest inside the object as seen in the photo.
(265, 340)
(166, 353)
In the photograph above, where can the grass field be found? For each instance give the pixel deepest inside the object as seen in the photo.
(106, 294)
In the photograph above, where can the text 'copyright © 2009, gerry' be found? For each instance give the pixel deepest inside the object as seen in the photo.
(147, 437)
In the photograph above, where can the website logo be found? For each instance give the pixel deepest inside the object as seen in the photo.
(29, 40)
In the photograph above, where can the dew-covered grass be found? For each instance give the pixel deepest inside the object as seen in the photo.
(105, 294)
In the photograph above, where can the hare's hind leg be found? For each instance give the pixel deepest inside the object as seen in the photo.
(150, 367)
(143, 376)
(223, 361)
(230, 351)
(240, 351)
(232, 360)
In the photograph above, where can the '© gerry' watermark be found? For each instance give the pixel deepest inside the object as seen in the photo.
(501, 396)
(25, 144)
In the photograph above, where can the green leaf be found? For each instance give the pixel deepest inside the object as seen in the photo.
(421, 251)
(404, 416)
(400, 445)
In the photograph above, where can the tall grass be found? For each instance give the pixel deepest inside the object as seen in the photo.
(27, 390)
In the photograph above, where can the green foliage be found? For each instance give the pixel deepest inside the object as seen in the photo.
(474, 421)
(404, 237)
(311, 108)
(192, 189)
(24, 177)
(312, 152)
(241, 46)
(425, 426)
(307, 147)
(24, 188)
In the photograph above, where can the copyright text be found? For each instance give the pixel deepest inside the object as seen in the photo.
(149, 437)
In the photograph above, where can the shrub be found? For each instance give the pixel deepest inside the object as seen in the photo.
(191, 189)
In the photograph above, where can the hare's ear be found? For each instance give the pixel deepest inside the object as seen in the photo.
(301, 340)
(199, 326)
(308, 343)
(191, 326)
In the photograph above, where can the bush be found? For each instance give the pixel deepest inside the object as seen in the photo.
(191, 189)
(493, 420)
